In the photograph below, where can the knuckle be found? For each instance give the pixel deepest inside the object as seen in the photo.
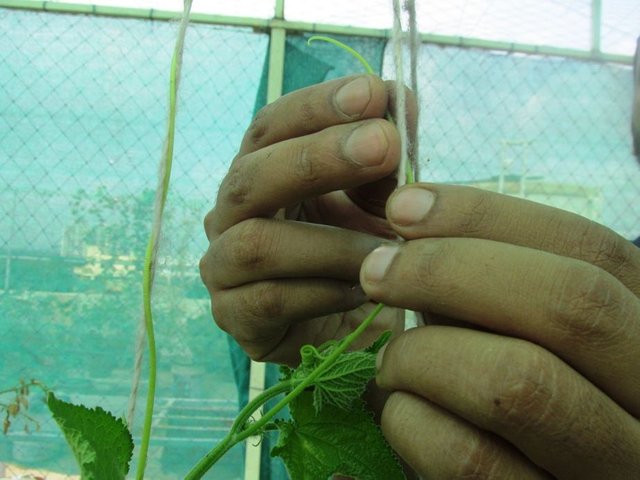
(477, 216)
(236, 186)
(433, 263)
(266, 300)
(308, 111)
(478, 458)
(203, 266)
(261, 326)
(587, 306)
(604, 249)
(259, 127)
(306, 165)
(208, 223)
(248, 244)
(526, 393)
(219, 314)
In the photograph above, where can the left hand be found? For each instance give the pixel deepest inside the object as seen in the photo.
(537, 373)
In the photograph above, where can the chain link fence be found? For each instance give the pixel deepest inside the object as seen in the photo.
(82, 119)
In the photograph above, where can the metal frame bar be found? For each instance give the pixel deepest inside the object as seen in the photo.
(293, 26)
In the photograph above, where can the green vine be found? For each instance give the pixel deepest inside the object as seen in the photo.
(240, 431)
(152, 246)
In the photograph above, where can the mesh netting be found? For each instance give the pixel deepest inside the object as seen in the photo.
(82, 120)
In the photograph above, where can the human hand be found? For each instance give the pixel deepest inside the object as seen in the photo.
(326, 154)
(546, 382)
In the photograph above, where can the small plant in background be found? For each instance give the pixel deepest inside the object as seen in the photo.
(18, 406)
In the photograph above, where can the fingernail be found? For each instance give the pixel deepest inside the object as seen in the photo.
(367, 145)
(378, 262)
(410, 206)
(353, 98)
(380, 356)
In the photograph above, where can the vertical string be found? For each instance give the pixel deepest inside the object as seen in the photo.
(151, 254)
(408, 169)
(414, 48)
(400, 113)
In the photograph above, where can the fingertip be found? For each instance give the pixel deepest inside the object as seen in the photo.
(377, 264)
(377, 107)
(410, 206)
(353, 98)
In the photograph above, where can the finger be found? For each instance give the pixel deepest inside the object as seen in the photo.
(411, 104)
(315, 108)
(576, 310)
(372, 197)
(288, 172)
(520, 392)
(428, 210)
(438, 444)
(261, 249)
(258, 315)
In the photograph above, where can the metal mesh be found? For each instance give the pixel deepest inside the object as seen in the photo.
(549, 129)
(82, 119)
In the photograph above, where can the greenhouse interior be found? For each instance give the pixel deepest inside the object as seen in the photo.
(121, 116)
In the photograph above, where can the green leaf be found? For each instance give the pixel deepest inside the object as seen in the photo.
(345, 380)
(315, 446)
(380, 342)
(100, 442)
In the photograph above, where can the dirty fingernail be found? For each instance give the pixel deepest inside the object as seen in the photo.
(378, 262)
(410, 206)
(352, 99)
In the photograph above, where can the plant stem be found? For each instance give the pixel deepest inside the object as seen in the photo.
(32, 383)
(238, 427)
(236, 436)
(345, 47)
(152, 246)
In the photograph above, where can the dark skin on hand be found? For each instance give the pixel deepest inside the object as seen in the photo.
(529, 366)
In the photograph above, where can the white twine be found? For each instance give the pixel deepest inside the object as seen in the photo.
(411, 40)
(414, 47)
(400, 113)
(408, 146)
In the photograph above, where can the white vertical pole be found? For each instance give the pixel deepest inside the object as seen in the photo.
(257, 373)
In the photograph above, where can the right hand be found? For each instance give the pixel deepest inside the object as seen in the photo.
(276, 284)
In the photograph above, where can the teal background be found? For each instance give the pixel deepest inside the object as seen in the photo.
(82, 119)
